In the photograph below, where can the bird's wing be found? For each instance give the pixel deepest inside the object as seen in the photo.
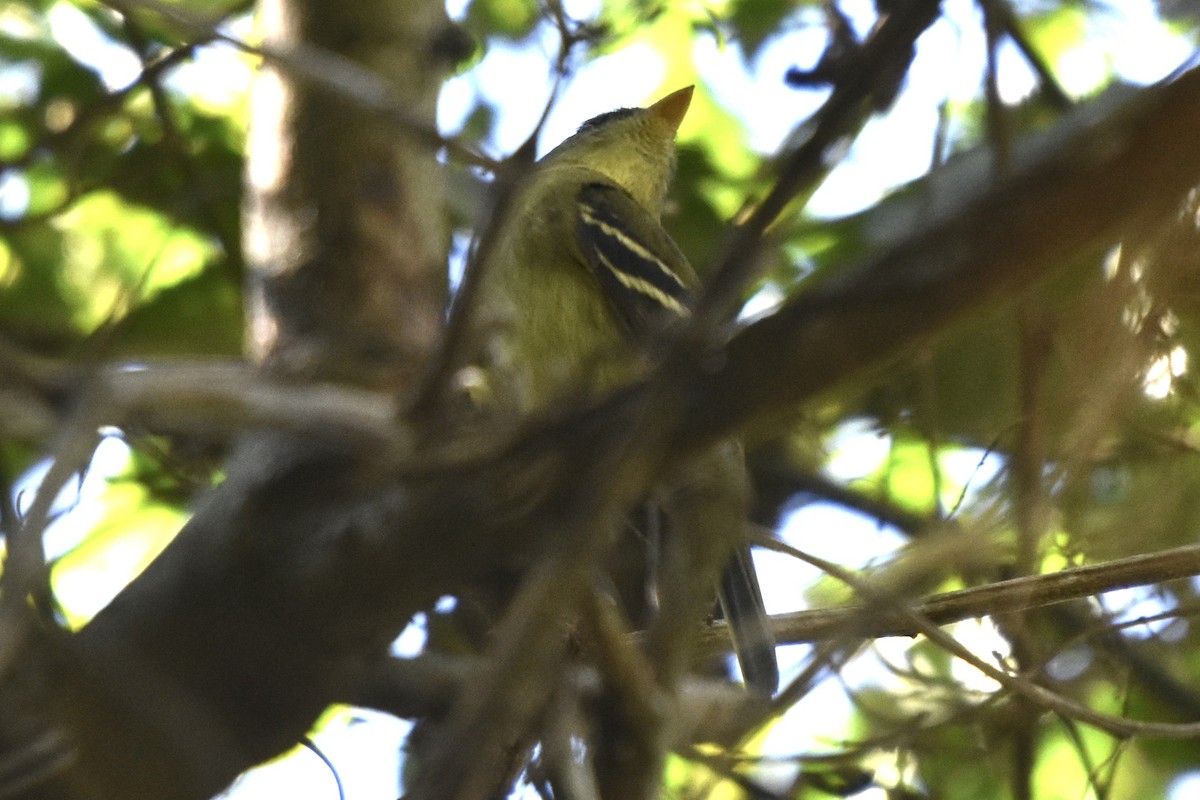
(645, 279)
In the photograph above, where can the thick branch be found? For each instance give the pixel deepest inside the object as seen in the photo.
(1116, 165)
(344, 234)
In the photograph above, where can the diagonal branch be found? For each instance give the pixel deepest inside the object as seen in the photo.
(1017, 594)
(1019, 684)
(880, 67)
(1116, 164)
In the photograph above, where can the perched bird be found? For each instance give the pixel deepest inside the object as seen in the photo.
(579, 280)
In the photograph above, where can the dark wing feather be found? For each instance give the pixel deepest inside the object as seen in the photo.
(645, 279)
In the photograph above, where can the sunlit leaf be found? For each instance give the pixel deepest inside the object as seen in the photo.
(48, 189)
(116, 255)
(15, 139)
(908, 475)
(1056, 32)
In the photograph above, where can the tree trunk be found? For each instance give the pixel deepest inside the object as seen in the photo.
(257, 617)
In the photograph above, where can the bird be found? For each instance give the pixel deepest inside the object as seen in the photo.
(579, 282)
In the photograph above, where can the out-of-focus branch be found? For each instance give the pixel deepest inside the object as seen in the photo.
(881, 66)
(707, 710)
(207, 396)
(319, 68)
(1017, 594)
(228, 397)
(1120, 162)
(1017, 683)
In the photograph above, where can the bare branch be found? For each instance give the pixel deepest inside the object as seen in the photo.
(320, 68)
(1019, 684)
(1017, 594)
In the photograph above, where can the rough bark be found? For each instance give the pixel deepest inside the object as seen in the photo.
(344, 226)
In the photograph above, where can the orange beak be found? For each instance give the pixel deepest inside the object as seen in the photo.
(672, 108)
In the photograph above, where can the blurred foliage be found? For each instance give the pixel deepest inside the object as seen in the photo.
(754, 22)
(120, 239)
(114, 196)
(133, 525)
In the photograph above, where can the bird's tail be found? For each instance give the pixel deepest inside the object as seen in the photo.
(749, 627)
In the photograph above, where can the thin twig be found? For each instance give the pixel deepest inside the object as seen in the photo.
(887, 51)
(1015, 594)
(882, 602)
(322, 69)
(1052, 90)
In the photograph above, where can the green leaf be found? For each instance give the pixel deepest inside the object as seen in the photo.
(755, 21)
(510, 19)
(15, 139)
(48, 189)
(200, 316)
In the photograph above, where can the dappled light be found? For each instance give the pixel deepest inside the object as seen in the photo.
(820, 423)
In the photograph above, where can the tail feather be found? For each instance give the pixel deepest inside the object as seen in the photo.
(749, 627)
